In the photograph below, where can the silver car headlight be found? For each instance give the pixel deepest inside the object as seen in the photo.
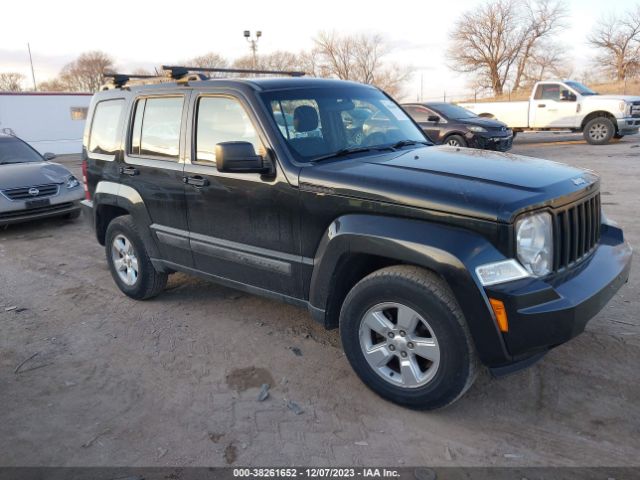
(72, 182)
(534, 243)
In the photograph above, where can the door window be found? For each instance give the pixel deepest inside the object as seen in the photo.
(222, 119)
(419, 114)
(548, 91)
(156, 127)
(105, 136)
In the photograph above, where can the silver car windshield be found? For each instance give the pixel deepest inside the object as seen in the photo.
(13, 150)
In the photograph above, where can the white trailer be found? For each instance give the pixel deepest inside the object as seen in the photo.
(49, 122)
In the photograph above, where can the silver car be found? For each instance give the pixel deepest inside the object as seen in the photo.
(32, 187)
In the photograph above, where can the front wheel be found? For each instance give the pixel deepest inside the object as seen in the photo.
(406, 338)
(455, 141)
(599, 131)
(129, 262)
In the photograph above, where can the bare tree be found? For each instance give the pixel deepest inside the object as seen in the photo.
(618, 40)
(546, 61)
(87, 72)
(11, 82)
(487, 42)
(208, 60)
(278, 60)
(356, 57)
(543, 19)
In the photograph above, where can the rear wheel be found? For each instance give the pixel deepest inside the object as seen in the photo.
(455, 141)
(406, 338)
(599, 131)
(129, 262)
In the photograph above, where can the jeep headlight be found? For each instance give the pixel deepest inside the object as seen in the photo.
(534, 243)
(72, 182)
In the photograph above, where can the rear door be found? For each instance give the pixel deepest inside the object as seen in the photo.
(243, 226)
(153, 166)
(551, 109)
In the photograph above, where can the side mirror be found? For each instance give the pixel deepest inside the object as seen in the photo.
(567, 96)
(49, 156)
(239, 157)
(433, 118)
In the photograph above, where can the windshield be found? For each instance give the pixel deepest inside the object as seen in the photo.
(13, 150)
(320, 122)
(580, 88)
(451, 111)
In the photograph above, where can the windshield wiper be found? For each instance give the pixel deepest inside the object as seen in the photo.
(407, 143)
(347, 151)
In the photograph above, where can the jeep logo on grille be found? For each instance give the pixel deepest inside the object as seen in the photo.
(33, 191)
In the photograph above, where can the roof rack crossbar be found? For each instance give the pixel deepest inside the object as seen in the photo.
(178, 71)
(119, 79)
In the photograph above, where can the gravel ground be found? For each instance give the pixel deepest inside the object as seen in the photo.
(90, 377)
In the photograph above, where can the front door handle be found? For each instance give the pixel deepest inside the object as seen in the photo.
(541, 105)
(129, 171)
(196, 181)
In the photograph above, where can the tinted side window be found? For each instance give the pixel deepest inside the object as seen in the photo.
(419, 114)
(105, 137)
(156, 127)
(222, 119)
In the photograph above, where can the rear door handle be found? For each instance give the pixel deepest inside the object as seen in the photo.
(129, 171)
(541, 105)
(196, 181)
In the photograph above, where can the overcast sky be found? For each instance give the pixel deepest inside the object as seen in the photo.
(147, 33)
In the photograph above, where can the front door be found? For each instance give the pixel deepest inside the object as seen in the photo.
(154, 168)
(244, 227)
(553, 106)
(421, 116)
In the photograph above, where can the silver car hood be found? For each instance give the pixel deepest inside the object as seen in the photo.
(15, 175)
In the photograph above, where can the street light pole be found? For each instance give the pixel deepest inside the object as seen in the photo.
(253, 45)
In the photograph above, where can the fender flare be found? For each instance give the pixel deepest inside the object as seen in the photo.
(451, 252)
(127, 198)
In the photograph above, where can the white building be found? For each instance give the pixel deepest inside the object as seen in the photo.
(49, 122)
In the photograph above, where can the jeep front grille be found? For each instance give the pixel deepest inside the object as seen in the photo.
(26, 193)
(577, 231)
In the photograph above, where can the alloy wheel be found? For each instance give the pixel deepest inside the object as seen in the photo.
(598, 131)
(399, 345)
(125, 260)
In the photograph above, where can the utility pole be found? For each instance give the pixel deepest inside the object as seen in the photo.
(33, 75)
(253, 45)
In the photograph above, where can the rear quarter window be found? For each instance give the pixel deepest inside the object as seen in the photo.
(106, 133)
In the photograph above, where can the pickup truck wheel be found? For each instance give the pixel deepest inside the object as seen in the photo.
(129, 262)
(599, 131)
(455, 141)
(406, 338)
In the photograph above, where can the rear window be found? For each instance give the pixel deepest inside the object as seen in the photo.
(105, 129)
(156, 127)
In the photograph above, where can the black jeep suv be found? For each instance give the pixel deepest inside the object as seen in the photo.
(431, 260)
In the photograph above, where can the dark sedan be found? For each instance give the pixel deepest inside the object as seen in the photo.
(445, 123)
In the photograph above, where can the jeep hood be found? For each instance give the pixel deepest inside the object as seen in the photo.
(475, 183)
(14, 175)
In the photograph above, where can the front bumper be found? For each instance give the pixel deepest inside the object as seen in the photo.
(64, 203)
(544, 313)
(489, 141)
(628, 126)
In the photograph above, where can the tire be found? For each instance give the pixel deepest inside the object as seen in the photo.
(73, 215)
(455, 141)
(441, 332)
(617, 136)
(599, 131)
(123, 242)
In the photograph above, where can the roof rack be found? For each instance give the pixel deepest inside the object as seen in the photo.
(178, 72)
(183, 74)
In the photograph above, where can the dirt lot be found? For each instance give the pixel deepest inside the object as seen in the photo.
(174, 381)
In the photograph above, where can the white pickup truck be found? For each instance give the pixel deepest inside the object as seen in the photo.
(566, 104)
